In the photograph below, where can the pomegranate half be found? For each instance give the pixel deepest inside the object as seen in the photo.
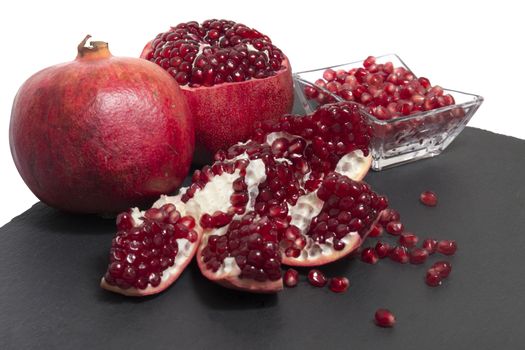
(101, 133)
(291, 195)
(231, 76)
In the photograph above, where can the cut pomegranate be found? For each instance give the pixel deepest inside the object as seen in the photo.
(369, 256)
(446, 247)
(317, 278)
(291, 278)
(339, 284)
(443, 268)
(384, 318)
(428, 198)
(231, 75)
(276, 199)
(151, 249)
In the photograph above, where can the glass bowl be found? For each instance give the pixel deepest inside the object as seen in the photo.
(402, 139)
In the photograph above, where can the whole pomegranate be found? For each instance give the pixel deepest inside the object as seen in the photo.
(101, 133)
(231, 75)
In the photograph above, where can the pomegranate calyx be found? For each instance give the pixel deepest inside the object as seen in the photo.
(95, 50)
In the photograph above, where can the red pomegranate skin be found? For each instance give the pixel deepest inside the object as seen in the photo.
(101, 134)
(224, 114)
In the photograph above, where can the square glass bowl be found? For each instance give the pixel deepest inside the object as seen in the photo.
(403, 139)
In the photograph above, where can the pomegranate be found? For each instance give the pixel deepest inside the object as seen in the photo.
(447, 247)
(291, 278)
(287, 196)
(230, 74)
(101, 133)
(317, 278)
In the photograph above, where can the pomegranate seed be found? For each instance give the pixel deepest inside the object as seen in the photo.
(124, 221)
(291, 278)
(429, 245)
(375, 231)
(428, 198)
(369, 256)
(395, 228)
(418, 256)
(408, 240)
(443, 268)
(339, 284)
(384, 318)
(399, 254)
(433, 277)
(316, 278)
(382, 249)
(447, 247)
(388, 215)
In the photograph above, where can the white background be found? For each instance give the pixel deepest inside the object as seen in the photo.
(468, 46)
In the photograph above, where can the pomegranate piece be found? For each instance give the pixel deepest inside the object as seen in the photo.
(446, 247)
(433, 277)
(408, 239)
(384, 318)
(369, 256)
(149, 253)
(395, 228)
(317, 278)
(247, 77)
(339, 284)
(291, 278)
(418, 256)
(443, 268)
(428, 198)
(430, 245)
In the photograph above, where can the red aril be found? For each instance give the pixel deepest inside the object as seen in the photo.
(428, 198)
(418, 256)
(382, 249)
(408, 239)
(101, 133)
(399, 254)
(395, 228)
(291, 278)
(433, 277)
(430, 245)
(443, 268)
(369, 256)
(384, 318)
(339, 284)
(446, 247)
(230, 74)
(317, 278)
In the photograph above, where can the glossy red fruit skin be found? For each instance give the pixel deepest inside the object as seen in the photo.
(101, 134)
(384, 318)
(225, 114)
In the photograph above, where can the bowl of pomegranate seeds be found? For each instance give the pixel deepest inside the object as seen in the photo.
(411, 118)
